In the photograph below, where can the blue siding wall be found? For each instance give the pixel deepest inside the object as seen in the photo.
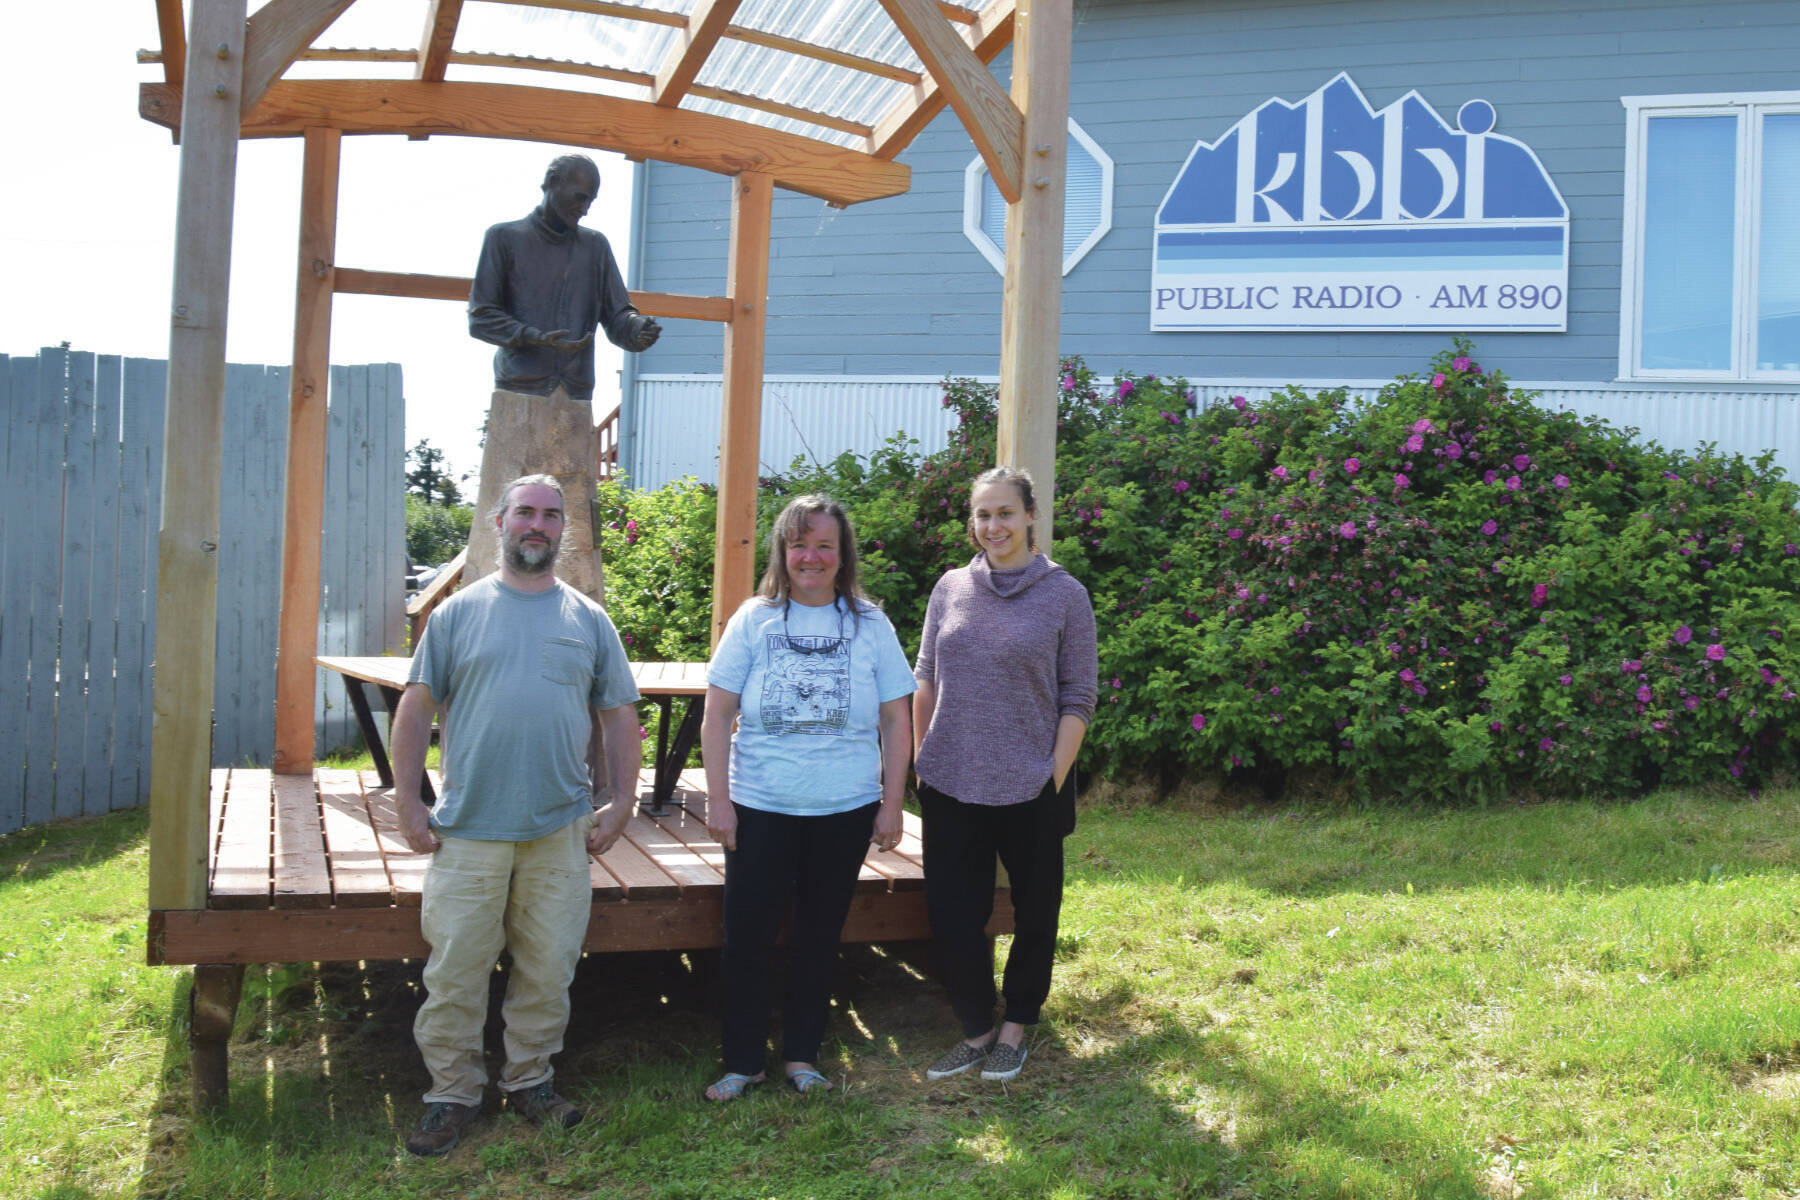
(893, 287)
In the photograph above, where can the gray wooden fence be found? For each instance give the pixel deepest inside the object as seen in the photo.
(80, 505)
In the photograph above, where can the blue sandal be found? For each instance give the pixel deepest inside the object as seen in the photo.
(806, 1079)
(730, 1086)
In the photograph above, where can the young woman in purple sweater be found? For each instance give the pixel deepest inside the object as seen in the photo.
(1007, 683)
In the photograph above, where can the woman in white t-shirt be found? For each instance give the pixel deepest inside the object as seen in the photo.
(813, 676)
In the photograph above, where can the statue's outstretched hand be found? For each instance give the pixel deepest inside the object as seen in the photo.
(647, 333)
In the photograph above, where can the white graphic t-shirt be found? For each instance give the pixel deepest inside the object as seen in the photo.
(810, 683)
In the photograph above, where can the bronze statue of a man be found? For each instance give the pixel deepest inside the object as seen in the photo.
(542, 286)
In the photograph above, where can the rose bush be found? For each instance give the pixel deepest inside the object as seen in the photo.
(1451, 591)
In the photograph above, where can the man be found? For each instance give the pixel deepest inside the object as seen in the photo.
(519, 664)
(543, 285)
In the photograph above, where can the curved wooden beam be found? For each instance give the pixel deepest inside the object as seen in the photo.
(635, 128)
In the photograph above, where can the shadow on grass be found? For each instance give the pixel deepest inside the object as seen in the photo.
(1664, 839)
(326, 1082)
(43, 851)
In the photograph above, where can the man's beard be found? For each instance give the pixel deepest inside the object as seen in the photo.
(528, 560)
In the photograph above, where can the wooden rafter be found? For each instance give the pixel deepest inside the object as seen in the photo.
(706, 24)
(634, 128)
(810, 115)
(467, 58)
(275, 35)
(905, 122)
(438, 37)
(856, 62)
(993, 122)
(604, 8)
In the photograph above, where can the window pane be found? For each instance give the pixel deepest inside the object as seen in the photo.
(1778, 254)
(1690, 205)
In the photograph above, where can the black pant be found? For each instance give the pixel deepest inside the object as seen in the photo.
(808, 865)
(961, 843)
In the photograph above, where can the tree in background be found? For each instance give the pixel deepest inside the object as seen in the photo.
(427, 478)
(437, 520)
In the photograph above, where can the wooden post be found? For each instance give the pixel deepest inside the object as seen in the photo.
(212, 1011)
(297, 639)
(1031, 312)
(187, 583)
(740, 425)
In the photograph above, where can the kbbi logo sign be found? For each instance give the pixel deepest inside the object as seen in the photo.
(1329, 215)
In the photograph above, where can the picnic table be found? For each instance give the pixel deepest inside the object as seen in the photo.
(662, 683)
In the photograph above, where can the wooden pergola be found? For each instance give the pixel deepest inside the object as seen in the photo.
(849, 95)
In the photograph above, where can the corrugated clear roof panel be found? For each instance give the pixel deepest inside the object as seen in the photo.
(804, 82)
(580, 37)
(853, 26)
(766, 120)
(856, 27)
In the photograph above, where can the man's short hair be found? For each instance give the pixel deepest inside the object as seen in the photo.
(549, 481)
(562, 164)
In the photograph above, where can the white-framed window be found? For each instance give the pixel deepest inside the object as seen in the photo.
(1710, 286)
(1087, 203)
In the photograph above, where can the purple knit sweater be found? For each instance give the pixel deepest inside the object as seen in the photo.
(1010, 652)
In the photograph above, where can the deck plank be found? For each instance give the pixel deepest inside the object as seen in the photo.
(666, 850)
(302, 879)
(359, 878)
(240, 877)
(406, 869)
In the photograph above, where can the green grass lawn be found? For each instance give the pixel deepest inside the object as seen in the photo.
(1562, 1000)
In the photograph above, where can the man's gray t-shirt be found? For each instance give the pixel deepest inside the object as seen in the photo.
(516, 672)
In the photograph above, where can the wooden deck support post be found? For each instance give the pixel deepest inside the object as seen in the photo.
(297, 637)
(212, 1010)
(187, 582)
(1031, 312)
(740, 425)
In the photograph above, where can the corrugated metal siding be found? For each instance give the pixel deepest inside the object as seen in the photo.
(802, 417)
(820, 418)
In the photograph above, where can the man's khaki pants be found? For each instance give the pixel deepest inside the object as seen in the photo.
(533, 898)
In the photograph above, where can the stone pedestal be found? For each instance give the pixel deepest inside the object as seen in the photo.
(540, 435)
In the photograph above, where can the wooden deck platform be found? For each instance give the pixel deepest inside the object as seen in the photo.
(314, 870)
